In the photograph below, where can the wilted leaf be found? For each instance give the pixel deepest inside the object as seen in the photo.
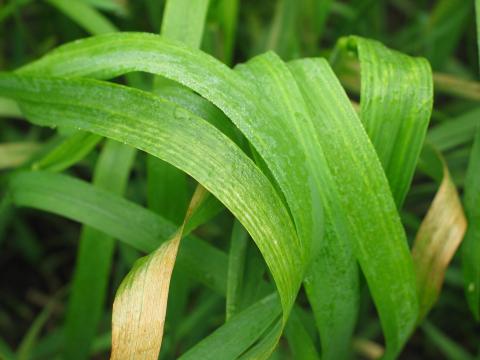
(438, 238)
(141, 301)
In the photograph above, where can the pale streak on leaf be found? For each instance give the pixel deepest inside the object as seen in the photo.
(436, 242)
(141, 301)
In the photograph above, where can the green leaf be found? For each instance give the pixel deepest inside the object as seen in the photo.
(167, 191)
(227, 173)
(117, 217)
(471, 246)
(324, 276)
(183, 20)
(84, 15)
(229, 91)
(399, 88)
(94, 258)
(477, 20)
(9, 108)
(299, 340)
(70, 151)
(236, 266)
(228, 341)
(25, 349)
(447, 346)
(377, 235)
(227, 14)
(454, 132)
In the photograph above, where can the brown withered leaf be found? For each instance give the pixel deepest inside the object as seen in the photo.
(141, 301)
(437, 240)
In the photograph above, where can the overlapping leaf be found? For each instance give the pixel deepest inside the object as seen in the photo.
(227, 172)
(313, 151)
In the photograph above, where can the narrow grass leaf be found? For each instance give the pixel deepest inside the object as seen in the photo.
(471, 246)
(242, 330)
(450, 349)
(69, 152)
(477, 21)
(437, 240)
(454, 132)
(90, 280)
(117, 217)
(141, 301)
(184, 20)
(214, 81)
(115, 6)
(281, 37)
(399, 88)
(299, 340)
(25, 349)
(378, 238)
(286, 104)
(84, 15)
(228, 173)
(227, 12)
(236, 267)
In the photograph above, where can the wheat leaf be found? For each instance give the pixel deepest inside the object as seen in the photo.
(439, 236)
(141, 301)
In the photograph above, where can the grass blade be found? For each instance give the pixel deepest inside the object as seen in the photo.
(450, 349)
(84, 15)
(70, 151)
(24, 351)
(230, 340)
(299, 340)
(224, 172)
(141, 301)
(471, 246)
(213, 81)
(286, 104)
(359, 178)
(454, 132)
(183, 20)
(397, 87)
(94, 257)
(124, 220)
(438, 238)
(236, 266)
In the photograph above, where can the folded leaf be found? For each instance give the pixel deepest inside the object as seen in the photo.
(438, 238)
(226, 172)
(141, 301)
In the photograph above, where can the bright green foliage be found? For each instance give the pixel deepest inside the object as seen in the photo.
(327, 189)
(93, 97)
